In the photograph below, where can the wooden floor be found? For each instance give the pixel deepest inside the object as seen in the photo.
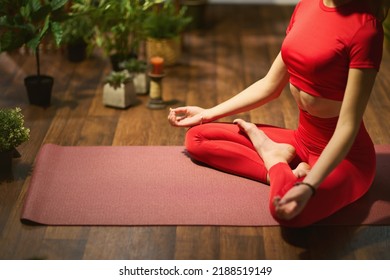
(235, 49)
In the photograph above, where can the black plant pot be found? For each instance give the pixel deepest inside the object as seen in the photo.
(77, 51)
(39, 89)
(6, 162)
(117, 59)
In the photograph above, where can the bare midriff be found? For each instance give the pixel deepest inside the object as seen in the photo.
(316, 106)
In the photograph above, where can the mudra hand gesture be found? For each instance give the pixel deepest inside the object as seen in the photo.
(186, 116)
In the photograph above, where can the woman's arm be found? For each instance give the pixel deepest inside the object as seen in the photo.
(358, 91)
(259, 93)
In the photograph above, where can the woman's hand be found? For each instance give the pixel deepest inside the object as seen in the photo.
(293, 202)
(186, 116)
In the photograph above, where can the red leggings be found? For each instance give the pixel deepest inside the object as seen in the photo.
(224, 147)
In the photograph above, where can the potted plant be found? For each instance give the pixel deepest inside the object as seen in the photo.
(12, 134)
(118, 29)
(119, 91)
(27, 22)
(77, 32)
(137, 69)
(163, 26)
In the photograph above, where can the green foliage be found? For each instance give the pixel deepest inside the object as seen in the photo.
(116, 78)
(118, 23)
(134, 65)
(29, 21)
(12, 130)
(79, 26)
(165, 21)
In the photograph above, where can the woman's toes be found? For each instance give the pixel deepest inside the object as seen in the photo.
(302, 170)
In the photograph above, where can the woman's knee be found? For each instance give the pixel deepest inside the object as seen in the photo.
(193, 140)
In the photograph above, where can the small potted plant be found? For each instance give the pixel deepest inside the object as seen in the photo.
(118, 28)
(137, 69)
(163, 26)
(12, 134)
(77, 32)
(119, 91)
(28, 22)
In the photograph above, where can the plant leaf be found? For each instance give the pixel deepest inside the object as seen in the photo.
(34, 5)
(8, 41)
(57, 32)
(41, 13)
(45, 26)
(57, 4)
(34, 42)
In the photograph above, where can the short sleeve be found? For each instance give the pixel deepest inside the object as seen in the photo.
(367, 46)
(292, 19)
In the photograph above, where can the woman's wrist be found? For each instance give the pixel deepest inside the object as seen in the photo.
(312, 188)
(206, 116)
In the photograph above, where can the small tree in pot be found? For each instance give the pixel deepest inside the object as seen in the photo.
(27, 22)
(12, 134)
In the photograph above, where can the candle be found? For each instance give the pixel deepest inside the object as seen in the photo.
(157, 65)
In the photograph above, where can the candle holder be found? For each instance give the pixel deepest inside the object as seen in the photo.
(155, 93)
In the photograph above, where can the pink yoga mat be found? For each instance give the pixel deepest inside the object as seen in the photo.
(160, 185)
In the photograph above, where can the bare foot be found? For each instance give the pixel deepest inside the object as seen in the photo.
(270, 151)
(301, 170)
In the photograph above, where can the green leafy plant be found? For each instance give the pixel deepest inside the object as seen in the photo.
(12, 130)
(79, 26)
(134, 65)
(116, 78)
(165, 20)
(117, 24)
(27, 22)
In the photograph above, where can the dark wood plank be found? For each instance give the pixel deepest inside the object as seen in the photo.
(197, 243)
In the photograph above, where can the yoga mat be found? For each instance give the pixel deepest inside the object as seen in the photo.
(160, 185)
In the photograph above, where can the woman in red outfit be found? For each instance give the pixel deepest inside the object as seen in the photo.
(330, 58)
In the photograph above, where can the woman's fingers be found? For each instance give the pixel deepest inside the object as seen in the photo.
(185, 116)
(288, 211)
(291, 204)
(179, 111)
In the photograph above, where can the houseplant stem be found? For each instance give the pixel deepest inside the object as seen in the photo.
(39, 87)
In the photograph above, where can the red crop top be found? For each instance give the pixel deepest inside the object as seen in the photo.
(322, 43)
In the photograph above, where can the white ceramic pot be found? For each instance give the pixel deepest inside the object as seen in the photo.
(121, 97)
(141, 83)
